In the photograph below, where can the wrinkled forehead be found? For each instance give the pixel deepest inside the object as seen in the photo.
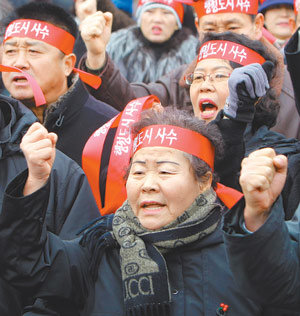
(223, 20)
(29, 43)
(156, 152)
(24, 41)
(159, 155)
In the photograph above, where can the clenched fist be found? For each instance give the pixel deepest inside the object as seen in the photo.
(38, 147)
(95, 31)
(262, 178)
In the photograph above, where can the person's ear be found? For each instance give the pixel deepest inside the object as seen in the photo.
(292, 24)
(69, 63)
(205, 182)
(297, 19)
(197, 25)
(258, 26)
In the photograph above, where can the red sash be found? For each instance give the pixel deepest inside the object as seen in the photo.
(115, 193)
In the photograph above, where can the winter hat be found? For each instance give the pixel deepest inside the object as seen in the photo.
(267, 4)
(207, 7)
(174, 6)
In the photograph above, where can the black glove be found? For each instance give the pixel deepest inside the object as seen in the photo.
(247, 84)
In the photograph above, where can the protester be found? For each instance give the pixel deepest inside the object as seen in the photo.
(72, 203)
(263, 249)
(260, 227)
(212, 93)
(256, 104)
(65, 215)
(70, 111)
(156, 46)
(138, 259)
(171, 88)
(278, 14)
(247, 99)
(84, 8)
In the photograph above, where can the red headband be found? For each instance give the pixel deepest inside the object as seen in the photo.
(207, 7)
(178, 138)
(230, 51)
(38, 95)
(176, 5)
(296, 6)
(41, 31)
(189, 142)
(115, 193)
(51, 35)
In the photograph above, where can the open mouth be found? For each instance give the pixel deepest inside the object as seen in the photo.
(151, 205)
(20, 79)
(208, 109)
(156, 30)
(284, 24)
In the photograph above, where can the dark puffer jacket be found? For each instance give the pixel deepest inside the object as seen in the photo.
(74, 117)
(289, 147)
(266, 263)
(199, 274)
(72, 203)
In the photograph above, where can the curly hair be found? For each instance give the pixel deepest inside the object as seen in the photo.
(173, 116)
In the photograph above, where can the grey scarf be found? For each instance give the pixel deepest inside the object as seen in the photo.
(146, 286)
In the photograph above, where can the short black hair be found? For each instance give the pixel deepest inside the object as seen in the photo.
(47, 12)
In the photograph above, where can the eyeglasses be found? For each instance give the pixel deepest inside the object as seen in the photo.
(198, 77)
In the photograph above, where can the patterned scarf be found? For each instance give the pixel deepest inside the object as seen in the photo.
(146, 287)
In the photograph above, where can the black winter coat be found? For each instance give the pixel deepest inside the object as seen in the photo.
(240, 141)
(289, 147)
(199, 275)
(266, 263)
(71, 202)
(74, 117)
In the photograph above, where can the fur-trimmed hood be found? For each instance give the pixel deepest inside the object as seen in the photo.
(142, 61)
